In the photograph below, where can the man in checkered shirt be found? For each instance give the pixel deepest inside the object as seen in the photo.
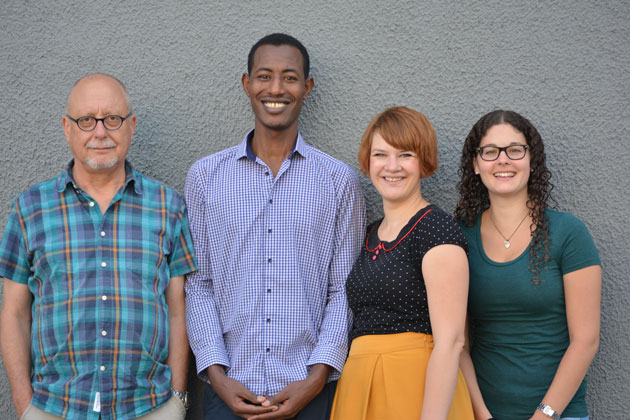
(93, 260)
(277, 225)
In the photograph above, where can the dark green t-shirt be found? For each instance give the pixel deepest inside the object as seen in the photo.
(519, 331)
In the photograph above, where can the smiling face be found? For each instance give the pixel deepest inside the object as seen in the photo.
(395, 173)
(503, 176)
(99, 149)
(277, 87)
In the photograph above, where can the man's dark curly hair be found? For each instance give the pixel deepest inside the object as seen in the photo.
(473, 195)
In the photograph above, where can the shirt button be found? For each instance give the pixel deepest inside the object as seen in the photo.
(268, 350)
(270, 201)
(269, 260)
(268, 290)
(102, 368)
(268, 319)
(102, 233)
(103, 297)
(267, 173)
(269, 230)
(103, 264)
(103, 333)
(91, 203)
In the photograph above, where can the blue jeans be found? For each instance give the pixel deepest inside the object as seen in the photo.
(574, 418)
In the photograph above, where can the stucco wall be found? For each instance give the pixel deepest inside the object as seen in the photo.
(564, 65)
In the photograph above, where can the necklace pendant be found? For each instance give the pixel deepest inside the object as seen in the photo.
(507, 244)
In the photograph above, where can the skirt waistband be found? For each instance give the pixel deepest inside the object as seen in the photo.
(388, 343)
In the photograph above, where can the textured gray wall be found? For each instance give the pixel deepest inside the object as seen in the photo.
(565, 65)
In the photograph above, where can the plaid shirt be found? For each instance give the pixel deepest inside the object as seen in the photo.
(99, 334)
(268, 299)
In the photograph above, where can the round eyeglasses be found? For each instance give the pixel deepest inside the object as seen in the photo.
(110, 122)
(513, 152)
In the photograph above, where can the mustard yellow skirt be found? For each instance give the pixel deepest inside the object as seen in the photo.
(384, 379)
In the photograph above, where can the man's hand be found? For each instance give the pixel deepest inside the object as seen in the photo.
(295, 396)
(236, 395)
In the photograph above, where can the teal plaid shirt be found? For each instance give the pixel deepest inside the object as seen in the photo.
(99, 334)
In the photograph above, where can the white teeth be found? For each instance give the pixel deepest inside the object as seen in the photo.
(275, 104)
(504, 174)
(392, 179)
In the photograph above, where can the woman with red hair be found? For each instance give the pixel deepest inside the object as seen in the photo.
(408, 288)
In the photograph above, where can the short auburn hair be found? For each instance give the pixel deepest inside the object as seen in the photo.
(404, 129)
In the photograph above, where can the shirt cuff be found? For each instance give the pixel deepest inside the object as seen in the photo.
(208, 358)
(332, 356)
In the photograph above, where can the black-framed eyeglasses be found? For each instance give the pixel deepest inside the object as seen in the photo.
(110, 122)
(513, 152)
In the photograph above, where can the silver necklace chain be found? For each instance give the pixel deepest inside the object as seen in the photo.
(507, 240)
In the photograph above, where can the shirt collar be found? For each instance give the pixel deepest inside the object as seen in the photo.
(131, 175)
(245, 148)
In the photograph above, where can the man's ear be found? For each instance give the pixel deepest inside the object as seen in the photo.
(65, 122)
(245, 82)
(132, 123)
(310, 83)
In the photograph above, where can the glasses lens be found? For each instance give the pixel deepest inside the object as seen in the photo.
(86, 123)
(515, 151)
(489, 153)
(112, 122)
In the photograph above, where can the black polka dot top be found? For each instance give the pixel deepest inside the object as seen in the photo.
(385, 288)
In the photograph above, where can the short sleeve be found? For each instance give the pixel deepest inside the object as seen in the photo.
(578, 249)
(441, 229)
(182, 260)
(15, 259)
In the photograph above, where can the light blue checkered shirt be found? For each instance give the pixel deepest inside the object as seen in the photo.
(268, 300)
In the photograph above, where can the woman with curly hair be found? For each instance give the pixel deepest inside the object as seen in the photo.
(535, 279)
(408, 288)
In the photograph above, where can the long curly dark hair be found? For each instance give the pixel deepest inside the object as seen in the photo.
(473, 195)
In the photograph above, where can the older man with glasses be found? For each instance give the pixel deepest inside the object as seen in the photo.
(93, 260)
